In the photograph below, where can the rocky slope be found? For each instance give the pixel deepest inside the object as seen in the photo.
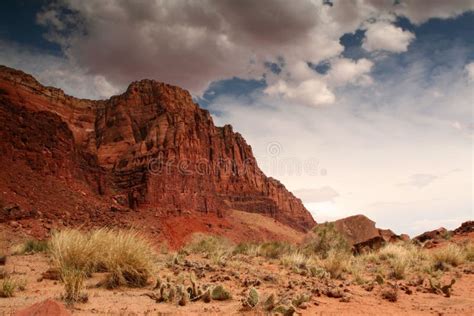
(150, 150)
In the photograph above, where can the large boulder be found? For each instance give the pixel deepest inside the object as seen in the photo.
(48, 307)
(362, 234)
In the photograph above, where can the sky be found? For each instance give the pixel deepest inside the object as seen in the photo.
(358, 107)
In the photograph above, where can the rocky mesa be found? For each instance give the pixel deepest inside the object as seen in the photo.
(150, 150)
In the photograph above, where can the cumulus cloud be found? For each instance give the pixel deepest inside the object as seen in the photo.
(396, 126)
(192, 44)
(420, 11)
(311, 92)
(344, 70)
(387, 37)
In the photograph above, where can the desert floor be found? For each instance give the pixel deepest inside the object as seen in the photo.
(267, 276)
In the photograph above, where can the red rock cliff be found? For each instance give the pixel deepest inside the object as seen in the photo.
(151, 147)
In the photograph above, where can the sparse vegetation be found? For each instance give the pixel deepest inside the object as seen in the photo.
(336, 263)
(31, 246)
(451, 254)
(326, 239)
(469, 251)
(125, 255)
(214, 247)
(8, 286)
(73, 280)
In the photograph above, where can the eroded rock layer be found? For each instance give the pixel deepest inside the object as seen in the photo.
(150, 148)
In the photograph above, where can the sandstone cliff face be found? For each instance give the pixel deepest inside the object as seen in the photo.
(151, 148)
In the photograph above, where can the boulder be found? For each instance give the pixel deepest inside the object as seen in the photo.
(434, 235)
(362, 234)
(466, 227)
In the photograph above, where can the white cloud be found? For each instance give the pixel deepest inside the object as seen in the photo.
(56, 71)
(387, 37)
(311, 92)
(375, 138)
(469, 68)
(420, 11)
(344, 71)
(191, 44)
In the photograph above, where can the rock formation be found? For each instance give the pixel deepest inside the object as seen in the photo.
(362, 234)
(149, 149)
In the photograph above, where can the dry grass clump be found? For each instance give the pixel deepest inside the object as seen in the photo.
(215, 248)
(336, 263)
(207, 244)
(31, 246)
(127, 257)
(401, 258)
(274, 249)
(325, 239)
(73, 280)
(468, 250)
(296, 259)
(72, 249)
(8, 286)
(270, 250)
(451, 254)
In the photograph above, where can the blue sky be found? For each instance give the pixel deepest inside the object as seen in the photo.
(377, 97)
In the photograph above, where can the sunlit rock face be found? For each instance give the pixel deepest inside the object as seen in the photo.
(150, 148)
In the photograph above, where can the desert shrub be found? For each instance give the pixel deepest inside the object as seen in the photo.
(274, 249)
(356, 269)
(8, 287)
(468, 250)
(451, 254)
(215, 248)
(71, 249)
(325, 239)
(399, 267)
(295, 259)
(127, 256)
(73, 280)
(244, 248)
(335, 263)
(403, 258)
(392, 251)
(208, 244)
(31, 246)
